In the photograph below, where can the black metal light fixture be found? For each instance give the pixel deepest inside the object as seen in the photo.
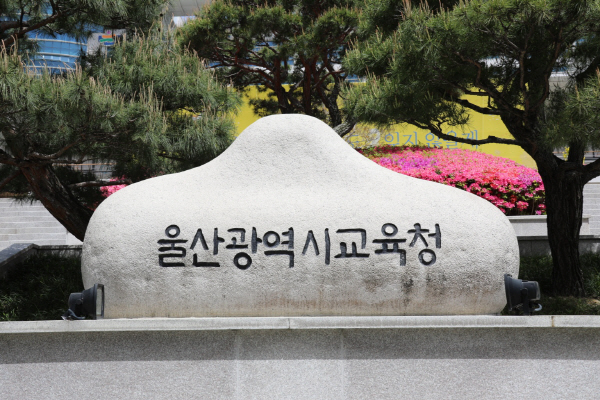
(522, 295)
(89, 303)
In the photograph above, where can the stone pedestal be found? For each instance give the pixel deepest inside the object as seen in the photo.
(462, 357)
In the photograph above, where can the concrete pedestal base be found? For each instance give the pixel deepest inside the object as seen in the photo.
(472, 357)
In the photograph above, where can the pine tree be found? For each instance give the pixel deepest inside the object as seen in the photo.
(147, 107)
(431, 67)
(289, 49)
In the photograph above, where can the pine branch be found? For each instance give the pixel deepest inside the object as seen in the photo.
(10, 178)
(101, 183)
(55, 155)
(591, 171)
(489, 89)
(589, 71)
(548, 72)
(345, 127)
(22, 32)
(12, 25)
(5, 158)
(522, 53)
(471, 106)
(475, 142)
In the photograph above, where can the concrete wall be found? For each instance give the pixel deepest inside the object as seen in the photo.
(539, 246)
(535, 225)
(591, 205)
(476, 357)
(30, 223)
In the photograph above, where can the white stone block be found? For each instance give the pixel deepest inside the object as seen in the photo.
(312, 216)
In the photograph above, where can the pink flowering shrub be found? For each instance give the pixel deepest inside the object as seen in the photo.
(108, 190)
(513, 188)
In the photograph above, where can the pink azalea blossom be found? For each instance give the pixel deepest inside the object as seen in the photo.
(108, 190)
(513, 188)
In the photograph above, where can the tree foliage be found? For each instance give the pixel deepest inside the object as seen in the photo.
(291, 49)
(495, 57)
(196, 111)
(147, 107)
(23, 18)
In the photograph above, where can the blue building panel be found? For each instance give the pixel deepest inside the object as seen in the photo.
(57, 53)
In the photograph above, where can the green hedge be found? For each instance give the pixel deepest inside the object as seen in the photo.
(39, 288)
(540, 269)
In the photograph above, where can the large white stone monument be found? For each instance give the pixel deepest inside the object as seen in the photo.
(291, 221)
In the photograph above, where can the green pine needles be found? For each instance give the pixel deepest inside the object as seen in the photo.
(147, 107)
(290, 50)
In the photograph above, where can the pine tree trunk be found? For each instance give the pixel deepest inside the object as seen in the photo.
(57, 199)
(564, 206)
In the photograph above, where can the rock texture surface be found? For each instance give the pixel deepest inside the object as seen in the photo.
(291, 221)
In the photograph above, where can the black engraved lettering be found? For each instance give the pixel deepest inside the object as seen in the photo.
(385, 231)
(438, 236)
(394, 249)
(275, 241)
(199, 236)
(402, 257)
(355, 253)
(290, 235)
(234, 244)
(197, 263)
(216, 241)
(385, 243)
(418, 234)
(422, 257)
(171, 228)
(391, 230)
(282, 252)
(255, 240)
(363, 235)
(327, 246)
(171, 247)
(310, 238)
(244, 256)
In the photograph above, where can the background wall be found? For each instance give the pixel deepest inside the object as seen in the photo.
(480, 127)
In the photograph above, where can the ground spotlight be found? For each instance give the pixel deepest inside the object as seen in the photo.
(89, 303)
(522, 295)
